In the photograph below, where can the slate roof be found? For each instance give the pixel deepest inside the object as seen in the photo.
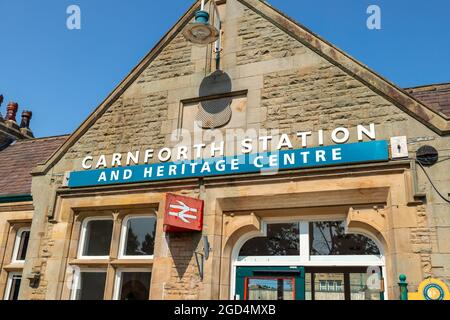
(18, 160)
(436, 96)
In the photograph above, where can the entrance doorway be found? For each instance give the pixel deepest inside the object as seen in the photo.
(308, 260)
(300, 283)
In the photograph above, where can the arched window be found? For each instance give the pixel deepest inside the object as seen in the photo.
(326, 238)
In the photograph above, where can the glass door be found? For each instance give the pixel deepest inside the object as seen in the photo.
(270, 283)
(343, 283)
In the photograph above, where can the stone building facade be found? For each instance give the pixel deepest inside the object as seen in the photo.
(283, 77)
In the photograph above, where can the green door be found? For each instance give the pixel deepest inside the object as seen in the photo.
(270, 283)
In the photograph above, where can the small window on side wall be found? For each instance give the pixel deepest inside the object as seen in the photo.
(95, 241)
(138, 237)
(21, 245)
(13, 286)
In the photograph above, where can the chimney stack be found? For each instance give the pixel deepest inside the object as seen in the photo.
(10, 129)
(25, 123)
(26, 117)
(11, 111)
(1, 101)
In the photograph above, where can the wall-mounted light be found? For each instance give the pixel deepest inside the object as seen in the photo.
(201, 31)
(34, 279)
(201, 257)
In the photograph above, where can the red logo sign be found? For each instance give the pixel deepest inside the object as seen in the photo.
(183, 214)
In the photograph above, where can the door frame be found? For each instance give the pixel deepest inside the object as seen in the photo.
(295, 272)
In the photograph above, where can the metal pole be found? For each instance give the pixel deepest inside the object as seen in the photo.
(218, 24)
(216, 9)
(403, 287)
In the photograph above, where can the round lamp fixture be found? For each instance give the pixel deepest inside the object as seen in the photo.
(201, 31)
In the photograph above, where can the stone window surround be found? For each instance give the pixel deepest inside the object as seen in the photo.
(10, 265)
(112, 264)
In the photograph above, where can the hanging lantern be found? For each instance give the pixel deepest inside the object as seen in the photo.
(201, 32)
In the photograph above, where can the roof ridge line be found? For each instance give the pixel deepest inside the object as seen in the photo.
(428, 85)
(41, 139)
(52, 137)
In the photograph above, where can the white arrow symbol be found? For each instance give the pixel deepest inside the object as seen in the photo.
(183, 214)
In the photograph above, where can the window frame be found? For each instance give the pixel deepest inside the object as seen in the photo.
(124, 234)
(338, 285)
(82, 240)
(305, 258)
(9, 283)
(345, 284)
(323, 285)
(118, 278)
(284, 278)
(80, 263)
(17, 241)
(77, 277)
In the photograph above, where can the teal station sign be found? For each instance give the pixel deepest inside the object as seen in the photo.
(265, 163)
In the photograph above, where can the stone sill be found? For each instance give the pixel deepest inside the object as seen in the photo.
(14, 267)
(114, 262)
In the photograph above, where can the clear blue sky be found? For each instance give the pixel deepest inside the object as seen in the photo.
(62, 75)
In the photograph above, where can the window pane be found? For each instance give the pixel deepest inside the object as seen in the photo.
(328, 286)
(97, 240)
(15, 286)
(135, 286)
(91, 286)
(329, 238)
(359, 289)
(308, 285)
(281, 240)
(23, 245)
(270, 289)
(140, 239)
